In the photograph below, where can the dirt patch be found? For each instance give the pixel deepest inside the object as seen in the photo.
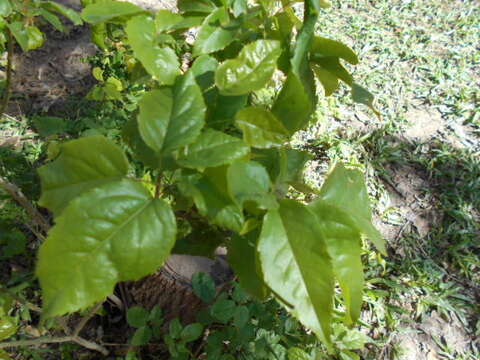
(425, 123)
(424, 341)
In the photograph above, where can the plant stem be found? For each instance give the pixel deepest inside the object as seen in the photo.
(7, 92)
(19, 197)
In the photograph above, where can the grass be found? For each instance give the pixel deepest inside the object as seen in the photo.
(421, 59)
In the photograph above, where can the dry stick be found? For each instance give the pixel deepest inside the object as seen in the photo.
(8, 91)
(18, 196)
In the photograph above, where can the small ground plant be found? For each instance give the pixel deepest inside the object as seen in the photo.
(216, 165)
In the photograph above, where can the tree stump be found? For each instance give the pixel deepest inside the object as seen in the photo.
(171, 287)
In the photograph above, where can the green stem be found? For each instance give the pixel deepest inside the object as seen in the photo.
(7, 92)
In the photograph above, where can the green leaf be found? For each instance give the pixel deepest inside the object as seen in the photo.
(109, 10)
(223, 310)
(175, 328)
(52, 19)
(344, 246)
(226, 107)
(203, 69)
(239, 7)
(156, 316)
(166, 20)
(82, 165)
(322, 47)
(160, 62)
(35, 37)
(241, 317)
(5, 8)
(249, 181)
(328, 80)
(131, 135)
(191, 332)
(204, 287)
(200, 6)
(250, 70)
(346, 189)
(8, 327)
(137, 316)
(297, 99)
(363, 96)
(214, 34)
(333, 66)
(211, 198)
(213, 148)
(142, 336)
(20, 33)
(260, 128)
(116, 232)
(70, 14)
(49, 125)
(172, 117)
(296, 353)
(99, 34)
(242, 257)
(297, 267)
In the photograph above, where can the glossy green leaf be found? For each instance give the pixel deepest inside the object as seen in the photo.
(346, 189)
(82, 165)
(344, 246)
(242, 257)
(120, 233)
(297, 99)
(204, 287)
(296, 265)
(249, 181)
(203, 69)
(201, 6)
(363, 96)
(70, 14)
(294, 105)
(239, 7)
(5, 8)
(213, 148)
(250, 70)
(109, 10)
(131, 135)
(214, 34)
(137, 316)
(172, 117)
(209, 193)
(166, 20)
(160, 62)
(20, 33)
(191, 332)
(226, 107)
(261, 128)
(322, 47)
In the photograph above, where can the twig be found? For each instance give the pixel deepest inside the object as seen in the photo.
(55, 340)
(8, 90)
(61, 339)
(19, 197)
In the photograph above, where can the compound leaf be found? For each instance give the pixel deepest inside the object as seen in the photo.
(160, 62)
(296, 265)
(346, 189)
(250, 70)
(83, 164)
(213, 148)
(260, 128)
(172, 117)
(116, 232)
